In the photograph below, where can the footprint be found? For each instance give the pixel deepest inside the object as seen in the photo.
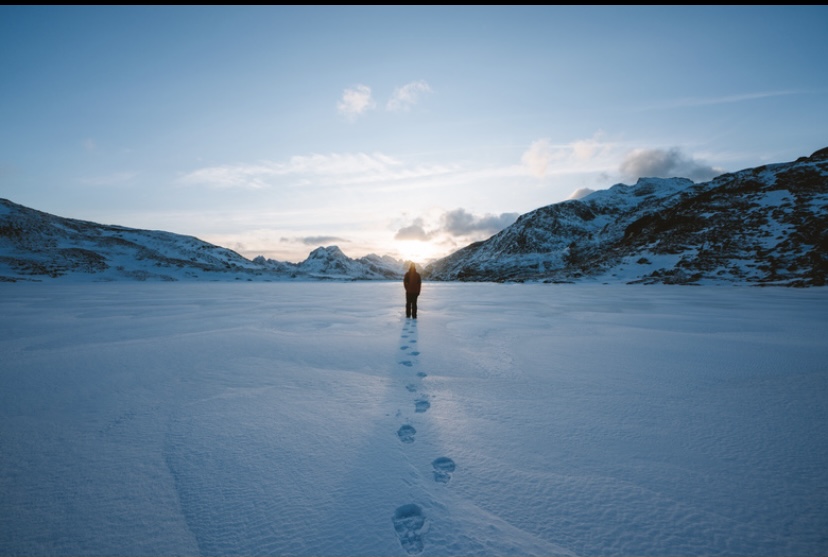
(413, 353)
(403, 347)
(411, 388)
(443, 467)
(421, 405)
(407, 363)
(406, 433)
(422, 374)
(408, 523)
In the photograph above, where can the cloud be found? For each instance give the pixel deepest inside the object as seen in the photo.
(660, 163)
(338, 164)
(603, 159)
(355, 101)
(457, 223)
(591, 148)
(414, 231)
(580, 193)
(336, 169)
(461, 223)
(407, 96)
(322, 240)
(538, 157)
(356, 166)
(543, 158)
(358, 99)
(245, 176)
(709, 101)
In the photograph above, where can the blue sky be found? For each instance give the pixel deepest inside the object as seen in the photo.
(410, 131)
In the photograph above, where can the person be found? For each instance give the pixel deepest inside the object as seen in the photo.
(412, 283)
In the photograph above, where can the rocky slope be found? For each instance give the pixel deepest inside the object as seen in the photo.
(765, 225)
(38, 246)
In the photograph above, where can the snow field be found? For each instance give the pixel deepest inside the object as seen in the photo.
(313, 418)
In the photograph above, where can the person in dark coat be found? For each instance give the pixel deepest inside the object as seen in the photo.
(412, 283)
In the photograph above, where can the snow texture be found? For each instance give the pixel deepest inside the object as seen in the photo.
(36, 246)
(766, 225)
(311, 418)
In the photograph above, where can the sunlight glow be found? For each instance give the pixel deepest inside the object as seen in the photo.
(418, 251)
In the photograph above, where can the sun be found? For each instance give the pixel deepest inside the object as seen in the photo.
(417, 251)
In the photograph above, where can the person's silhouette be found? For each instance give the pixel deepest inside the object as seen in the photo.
(412, 283)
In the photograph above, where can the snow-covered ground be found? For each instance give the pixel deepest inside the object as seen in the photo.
(314, 419)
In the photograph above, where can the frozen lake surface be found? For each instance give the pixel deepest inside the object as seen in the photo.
(314, 419)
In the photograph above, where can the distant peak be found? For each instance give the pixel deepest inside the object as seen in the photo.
(820, 155)
(328, 252)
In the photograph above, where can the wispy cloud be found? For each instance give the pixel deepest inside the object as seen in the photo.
(338, 164)
(724, 99)
(355, 101)
(245, 176)
(543, 158)
(407, 96)
(320, 170)
(315, 240)
(538, 157)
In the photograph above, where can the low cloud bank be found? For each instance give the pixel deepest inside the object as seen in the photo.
(455, 224)
(670, 163)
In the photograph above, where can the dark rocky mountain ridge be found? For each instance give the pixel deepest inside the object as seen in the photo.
(766, 225)
(762, 226)
(38, 246)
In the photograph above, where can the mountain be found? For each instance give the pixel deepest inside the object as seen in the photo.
(38, 246)
(330, 263)
(765, 225)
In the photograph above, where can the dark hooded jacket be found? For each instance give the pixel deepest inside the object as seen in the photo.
(412, 281)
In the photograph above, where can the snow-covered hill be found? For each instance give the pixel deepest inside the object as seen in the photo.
(38, 246)
(331, 263)
(765, 225)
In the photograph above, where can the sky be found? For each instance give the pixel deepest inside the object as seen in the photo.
(408, 131)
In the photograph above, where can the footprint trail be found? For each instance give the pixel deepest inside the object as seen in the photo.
(410, 523)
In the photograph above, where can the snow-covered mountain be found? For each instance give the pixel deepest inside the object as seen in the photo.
(331, 263)
(765, 225)
(38, 246)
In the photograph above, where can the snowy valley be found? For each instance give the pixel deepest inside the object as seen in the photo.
(313, 418)
(160, 395)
